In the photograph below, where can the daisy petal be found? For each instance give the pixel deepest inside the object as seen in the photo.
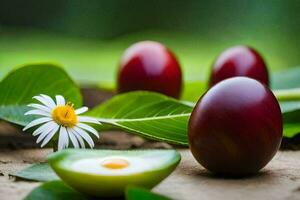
(49, 125)
(81, 110)
(43, 135)
(60, 100)
(88, 128)
(72, 138)
(38, 112)
(49, 100)
(88, 119)
(49, 136)
(44, 101)
(67, 139)
(63, 139)
(46, 132)
(85, 136)
(40, 107)
(81, 142)
(37, 122)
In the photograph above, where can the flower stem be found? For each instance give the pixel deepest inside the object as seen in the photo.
(287, 94)
(54, 145)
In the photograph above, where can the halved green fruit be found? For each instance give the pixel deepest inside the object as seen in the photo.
(107, 173)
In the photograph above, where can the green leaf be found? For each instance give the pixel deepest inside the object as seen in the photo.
(19, 86)
(135, 193)
(291, 113)
(58, 190)
(286, 79)
(148, 114)
(37, 172)
(291, 129)
(289, 107)
(289, 100)
(54, 190)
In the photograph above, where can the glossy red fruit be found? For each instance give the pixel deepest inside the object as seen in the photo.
(236, 127)
(150, 66)
(239, 61)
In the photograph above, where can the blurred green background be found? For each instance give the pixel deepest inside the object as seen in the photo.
(88, 37)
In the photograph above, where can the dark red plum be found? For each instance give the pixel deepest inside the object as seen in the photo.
(239, 61)
(150, 66)
(236, 127)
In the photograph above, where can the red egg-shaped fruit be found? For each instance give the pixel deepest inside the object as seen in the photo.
(150, 66)
(239, 61)
(236, 127)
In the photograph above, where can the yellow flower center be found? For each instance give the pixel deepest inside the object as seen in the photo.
(115, 163)
(65, 115)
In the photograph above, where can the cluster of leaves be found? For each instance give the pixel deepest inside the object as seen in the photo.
(148, 114)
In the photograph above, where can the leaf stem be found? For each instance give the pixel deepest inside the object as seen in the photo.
(287, 94)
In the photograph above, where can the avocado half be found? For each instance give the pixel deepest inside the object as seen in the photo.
(107, 173)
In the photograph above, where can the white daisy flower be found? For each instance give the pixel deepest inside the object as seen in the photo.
(61, 117)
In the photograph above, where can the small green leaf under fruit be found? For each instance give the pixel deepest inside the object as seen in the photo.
(135, 193)
(106, 173)
(54, 190)
(58, 190)
(37, 172)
